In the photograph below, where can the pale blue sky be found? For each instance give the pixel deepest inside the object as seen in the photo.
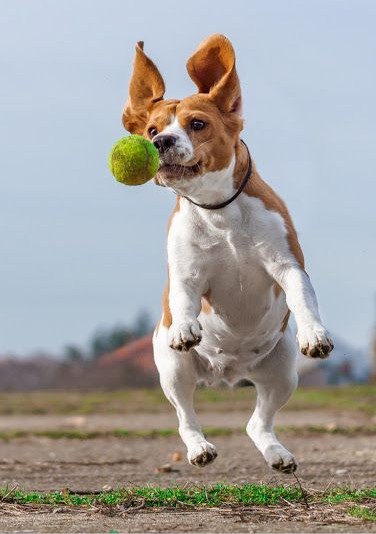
(79, 250)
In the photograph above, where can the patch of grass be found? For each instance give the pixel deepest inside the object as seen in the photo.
(85, 403)
(156, 497)
(355, 398)
(363, 512)
(76, 433)
(305, 430)
(335, 496)
(87, 434)
(205, 496)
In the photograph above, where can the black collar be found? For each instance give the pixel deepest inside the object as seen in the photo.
(231, 199)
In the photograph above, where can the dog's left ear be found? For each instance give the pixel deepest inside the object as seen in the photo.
(212, 68)
(146, 87)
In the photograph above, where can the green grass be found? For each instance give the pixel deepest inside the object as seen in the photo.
(205, 496)
(74, 433)
(335, 496)
(306, 430)
(352, 398)
(363, 512)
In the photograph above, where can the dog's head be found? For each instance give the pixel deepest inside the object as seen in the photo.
(197, 135)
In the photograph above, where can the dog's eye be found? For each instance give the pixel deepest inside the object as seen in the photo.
(197, 124)
(152, 131)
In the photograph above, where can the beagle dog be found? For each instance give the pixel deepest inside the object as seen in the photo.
(235, 266)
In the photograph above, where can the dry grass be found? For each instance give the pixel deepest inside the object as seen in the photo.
(75, 433)
(256, 502)
(353, 398)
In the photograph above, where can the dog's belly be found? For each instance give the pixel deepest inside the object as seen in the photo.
(230, 354)
(244, 321)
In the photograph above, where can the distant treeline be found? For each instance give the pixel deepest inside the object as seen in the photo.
(82, 367)
(41, 372)
(106, 340)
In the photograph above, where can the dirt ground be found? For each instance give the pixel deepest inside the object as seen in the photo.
(35, 463)
(226, 520)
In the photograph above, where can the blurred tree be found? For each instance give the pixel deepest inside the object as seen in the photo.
(108, 339)
(373, 353)
(73, 353)
(142, 325)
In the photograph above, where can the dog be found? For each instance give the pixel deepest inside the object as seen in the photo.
(235, 266)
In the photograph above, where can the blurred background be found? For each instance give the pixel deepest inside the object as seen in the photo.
(83, 258)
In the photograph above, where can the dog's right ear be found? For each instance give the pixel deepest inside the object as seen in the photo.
(146, 87)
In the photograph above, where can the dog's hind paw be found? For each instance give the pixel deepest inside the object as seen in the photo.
(280, 459)
(202, 454)
(184, 336)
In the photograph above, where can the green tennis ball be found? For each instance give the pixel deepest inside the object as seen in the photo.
(133, 160)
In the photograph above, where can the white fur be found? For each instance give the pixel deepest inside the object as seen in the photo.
(236, 255)
(209, 188)
(183, 150)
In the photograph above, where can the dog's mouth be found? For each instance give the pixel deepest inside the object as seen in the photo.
(174, 171)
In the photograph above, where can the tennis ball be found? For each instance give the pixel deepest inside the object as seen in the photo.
(133, 160)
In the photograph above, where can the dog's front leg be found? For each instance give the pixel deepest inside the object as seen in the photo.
(313, 338)
(179, 372)
(187, 283)
(185, 305)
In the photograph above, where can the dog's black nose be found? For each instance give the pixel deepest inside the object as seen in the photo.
(163, 142)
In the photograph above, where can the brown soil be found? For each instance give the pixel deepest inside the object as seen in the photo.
(87, 465)
(167, 419)
(233, 520)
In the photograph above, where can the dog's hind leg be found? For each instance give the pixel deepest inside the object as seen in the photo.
(275, 379)
(178, 377)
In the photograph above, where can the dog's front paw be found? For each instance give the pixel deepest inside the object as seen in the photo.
(185, 335)
(202, 454)
(315, 341)
(280, 459)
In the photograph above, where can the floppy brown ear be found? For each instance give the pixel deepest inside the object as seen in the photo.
(145, 88)
(212, 68)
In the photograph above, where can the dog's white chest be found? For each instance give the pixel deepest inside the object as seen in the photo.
(244, 321)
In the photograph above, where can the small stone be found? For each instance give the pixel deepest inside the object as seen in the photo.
(76, 421)
(331, 426)
(166, 468)
(176, 456)
(340, 471)
(57, 511)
